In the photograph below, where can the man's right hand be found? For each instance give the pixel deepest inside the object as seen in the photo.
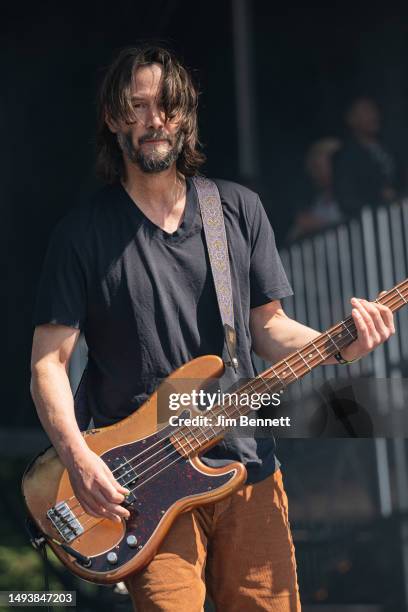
(95, 486)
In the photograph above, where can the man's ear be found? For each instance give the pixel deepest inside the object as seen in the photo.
(111, 123)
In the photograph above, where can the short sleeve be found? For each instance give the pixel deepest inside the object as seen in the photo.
(268, 280)
(61, 295)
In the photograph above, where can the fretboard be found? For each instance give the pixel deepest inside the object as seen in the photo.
(276, 378)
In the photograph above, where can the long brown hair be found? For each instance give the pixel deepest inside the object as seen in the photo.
(179, 96)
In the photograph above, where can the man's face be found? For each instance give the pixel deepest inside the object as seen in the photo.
(150, 141)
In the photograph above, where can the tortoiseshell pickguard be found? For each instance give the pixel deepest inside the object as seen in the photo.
(163, 477)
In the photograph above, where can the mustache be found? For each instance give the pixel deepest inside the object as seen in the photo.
(154, 135)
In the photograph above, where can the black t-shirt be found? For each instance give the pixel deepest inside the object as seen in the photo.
(146, 303)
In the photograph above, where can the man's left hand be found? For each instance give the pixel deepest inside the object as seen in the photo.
(374, 323)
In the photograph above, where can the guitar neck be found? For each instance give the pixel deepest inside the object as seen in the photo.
(330, 342)
(286, 371)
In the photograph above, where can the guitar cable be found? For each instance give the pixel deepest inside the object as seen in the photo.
(82, 559)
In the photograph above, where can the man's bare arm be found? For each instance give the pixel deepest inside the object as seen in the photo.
(50, 388)
(91, 479)
(275, 335)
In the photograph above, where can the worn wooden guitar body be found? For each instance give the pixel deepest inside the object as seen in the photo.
(145, 457)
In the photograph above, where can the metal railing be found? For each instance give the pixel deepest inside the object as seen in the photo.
(359, 258)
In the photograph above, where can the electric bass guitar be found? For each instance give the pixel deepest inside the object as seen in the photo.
(160, 464)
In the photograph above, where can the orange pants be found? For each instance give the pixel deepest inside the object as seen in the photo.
(240, 548)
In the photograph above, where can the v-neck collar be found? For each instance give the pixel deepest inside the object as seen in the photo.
(186, 224)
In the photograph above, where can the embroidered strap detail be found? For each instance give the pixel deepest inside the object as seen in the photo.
(216, 239)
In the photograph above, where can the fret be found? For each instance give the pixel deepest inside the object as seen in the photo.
(291, 369)
(187, 440)
(264, 382)
(401, 296)
(315, 347)
(251, 387)
(304, 360)
(331, 339)
(214, 432)
(276, 375)
(203, 432)
(236, 409)
(343, 324)
(191, 431)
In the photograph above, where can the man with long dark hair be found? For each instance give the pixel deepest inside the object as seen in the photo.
(131, 271)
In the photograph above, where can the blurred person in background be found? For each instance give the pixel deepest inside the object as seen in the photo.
(320, 208)
(364, 171)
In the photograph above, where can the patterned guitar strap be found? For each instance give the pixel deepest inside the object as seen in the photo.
(217, 247)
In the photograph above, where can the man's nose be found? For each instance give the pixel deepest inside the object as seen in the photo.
(155, 117)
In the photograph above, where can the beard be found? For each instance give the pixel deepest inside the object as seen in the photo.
(154, 161)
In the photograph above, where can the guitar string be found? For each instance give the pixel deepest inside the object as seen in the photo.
(341, 325)
(202, 432)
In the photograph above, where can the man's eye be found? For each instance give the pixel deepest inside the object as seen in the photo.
(139, 105)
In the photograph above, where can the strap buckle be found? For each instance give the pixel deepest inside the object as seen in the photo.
(231, 344)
